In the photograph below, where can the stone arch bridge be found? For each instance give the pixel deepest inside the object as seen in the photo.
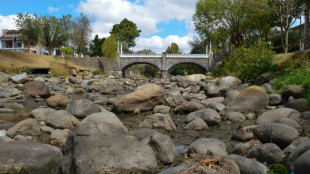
(165, 61)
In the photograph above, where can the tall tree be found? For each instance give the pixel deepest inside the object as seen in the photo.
(109, 48)
(237, 20)
(81, 32)
(307, 24)
(287, 12)
(54, 31)
(96, 47)
(126, 32)
(29, 28)
(198, 45)
(173, 49)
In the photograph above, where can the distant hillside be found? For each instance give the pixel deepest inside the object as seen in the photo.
(14, 62)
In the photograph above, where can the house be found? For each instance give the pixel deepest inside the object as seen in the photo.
(10, 40)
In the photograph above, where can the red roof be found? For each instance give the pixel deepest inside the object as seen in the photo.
(12, 31)
(8, 38)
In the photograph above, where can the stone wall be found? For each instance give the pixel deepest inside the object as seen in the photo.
(102, 64)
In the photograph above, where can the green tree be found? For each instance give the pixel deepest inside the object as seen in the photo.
(67, 52)
(29, 28)
(287, 12)
(109, 48)
(81, 32)
(96, 47)
(198, 45)
(173, 49)
(126, 32)
(237, 20)
(145, 51)
(55, 31)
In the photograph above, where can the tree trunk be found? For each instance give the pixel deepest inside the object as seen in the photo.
(29, 48)
(50, 51)
(307, 28)
(286, 40)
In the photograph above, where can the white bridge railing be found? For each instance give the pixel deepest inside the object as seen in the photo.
(197, 56)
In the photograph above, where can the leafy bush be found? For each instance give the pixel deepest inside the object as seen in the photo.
(278, 169)
(67, 52)
(249, 63)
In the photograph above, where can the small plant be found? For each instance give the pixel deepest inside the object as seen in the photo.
(278, 169)
(97, 72)
(67, 52)
(28, 70)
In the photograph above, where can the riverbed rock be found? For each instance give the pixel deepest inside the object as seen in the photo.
(59, 134)
(26, 127)
(302, 164)
(164, 147)
(20, 78)
(289, 149)
(161, 109)
(269, 153)
(144, 98)
(40, 113)
(261, 79)
(252, 99)
(34, 88)
(30, 157)
(174, 101)
(297, 152)
(54, 80)
(249, 166)
(75, 80)
(231, 95)
(82, 108)
(219, 86)
(275, 99)
(243, 148)
(205, 146)
(58, 100)
(197, 124)
(234, 116)
(296, 91)
(188, 107)
(244, 134)
(4, 77)
(216, 106)
(210, 116)
(300, 104)
(112, 90)
(158, 120)
(274, 116)
(61, 120)
(195, 77)
(173, 170)
(280, 134)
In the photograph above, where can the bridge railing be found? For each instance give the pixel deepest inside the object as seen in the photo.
(141, 55)
(187, 56)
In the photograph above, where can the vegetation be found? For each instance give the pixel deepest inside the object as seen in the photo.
(67, 52)
(81, 32)
(96, 47)
(109, 48)
(249, 63)
(278, 169)
(293, 39)
(29, 28)
(173, 49)
(186, 69)
(126, 32)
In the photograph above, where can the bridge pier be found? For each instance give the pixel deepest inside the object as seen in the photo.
(164, 74)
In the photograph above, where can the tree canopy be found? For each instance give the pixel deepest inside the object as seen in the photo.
(109, 48)
(126, 32)
(173, 49)
(96, 47)
(237, 20)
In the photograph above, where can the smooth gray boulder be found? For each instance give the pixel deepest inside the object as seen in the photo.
(20, 78)
(206, 146)
(210, 116)
(32, 157)
(26, 127)
(249, 166)
(173, 170)
(297, 152)
(158, 120)
(164, 147)
(4, 77)
(234, 116)
(61, 120)
(279, 134)
(302, 164)
(274, 116)
(197, 124)
(244, 134)
(40, 113)
(268, 152)
(82, 108)
(289, 149)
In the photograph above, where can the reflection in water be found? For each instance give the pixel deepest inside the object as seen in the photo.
(31, 104)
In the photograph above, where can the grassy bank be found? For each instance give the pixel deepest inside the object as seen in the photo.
(14, 62)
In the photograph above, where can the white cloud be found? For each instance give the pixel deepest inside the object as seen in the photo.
(146, 15)
(7, 22)
(52, 9)
(159, 44)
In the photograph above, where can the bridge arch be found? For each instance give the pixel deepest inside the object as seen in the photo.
(200, 64)
(134, 62)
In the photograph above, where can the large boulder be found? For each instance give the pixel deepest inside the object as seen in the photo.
(206, 146)
(34, 88)
(219, 86)
(252, 99)
(279, 134)
(276, 115)
(61, 120)
(299, 141)
(210, 116)
(268, 152)
(20, 78)
(300, 104)
(243, 148)
(29, 157)
(188, 107)
(82, 108)
(144, 98)
(159, 120)
(195, 77)
(26, 127)
(58, 100)
(302, 164)
(100, 141)
(164, 147)
(40, 113)
(112, 89)
(297, 152)
(296, 91)
(249, 166)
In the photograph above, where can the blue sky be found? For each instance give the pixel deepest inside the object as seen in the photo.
(161, 21)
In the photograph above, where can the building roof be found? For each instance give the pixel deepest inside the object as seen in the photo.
(12, 31)
(9, 38)
(4, 37)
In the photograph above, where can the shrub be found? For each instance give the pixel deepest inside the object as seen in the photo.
(249, 63)
(278, 169)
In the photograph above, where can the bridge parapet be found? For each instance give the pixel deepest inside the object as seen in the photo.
(140, 55)
(191, 56)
